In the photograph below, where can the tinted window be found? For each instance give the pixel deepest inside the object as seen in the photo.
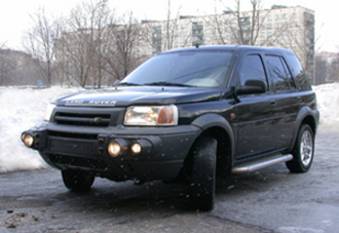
(294, 65)
(279, 76)
(288, 74)
(252, 69)
(298, 72)
(196, 68)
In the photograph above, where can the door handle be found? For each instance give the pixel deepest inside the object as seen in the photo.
(273, 102)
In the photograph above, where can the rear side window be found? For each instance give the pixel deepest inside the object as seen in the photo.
(288, 74)
(279, 74)
(298, 72)
(252, 68)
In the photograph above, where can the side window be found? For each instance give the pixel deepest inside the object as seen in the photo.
(252, 68)
(298, 72)
(294, 65)
(288, 74)
(280, 77)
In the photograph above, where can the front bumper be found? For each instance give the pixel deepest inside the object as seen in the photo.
(73, 147)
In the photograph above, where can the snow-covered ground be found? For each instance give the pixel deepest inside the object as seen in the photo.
(22, 108)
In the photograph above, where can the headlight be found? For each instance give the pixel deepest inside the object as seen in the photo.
(49, 111)
(151, 115)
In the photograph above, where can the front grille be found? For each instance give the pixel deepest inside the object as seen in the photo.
(82, 119)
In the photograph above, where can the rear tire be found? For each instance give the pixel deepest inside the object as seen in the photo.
(303, 151)
(203, 176)
(77, 181)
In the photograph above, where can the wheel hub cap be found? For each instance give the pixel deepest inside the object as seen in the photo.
(306, 148)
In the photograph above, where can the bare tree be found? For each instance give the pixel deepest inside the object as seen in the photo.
(40, 42)
(80, 48)
(101, 18)
(243, 27)
(98, 46)
(171, 27)
(122, 52)
(163, 35)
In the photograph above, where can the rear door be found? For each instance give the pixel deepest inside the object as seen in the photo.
(286, 100)
(253, 120)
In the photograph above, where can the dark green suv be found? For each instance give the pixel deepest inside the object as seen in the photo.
(195, 114)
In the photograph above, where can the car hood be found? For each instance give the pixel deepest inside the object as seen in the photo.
(125, 96)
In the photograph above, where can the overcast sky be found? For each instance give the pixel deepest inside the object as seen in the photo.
(15, 19)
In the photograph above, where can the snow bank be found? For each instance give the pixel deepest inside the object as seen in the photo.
(328, 104)
(22, 108)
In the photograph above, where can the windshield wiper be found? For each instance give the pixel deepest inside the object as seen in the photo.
(163, 83)
(128, 84)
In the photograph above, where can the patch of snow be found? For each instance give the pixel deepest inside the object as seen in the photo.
(328, 104)
(21, 109)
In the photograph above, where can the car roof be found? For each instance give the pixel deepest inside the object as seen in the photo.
(237, 48)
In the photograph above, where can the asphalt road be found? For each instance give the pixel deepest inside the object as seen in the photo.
(272, 200)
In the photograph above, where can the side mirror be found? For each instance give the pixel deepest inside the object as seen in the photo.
(252, 87)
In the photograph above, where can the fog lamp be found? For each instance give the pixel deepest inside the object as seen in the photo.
(27, 139)
(114, 149)
(136, 148)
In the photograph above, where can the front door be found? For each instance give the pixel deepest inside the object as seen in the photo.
(253, 122)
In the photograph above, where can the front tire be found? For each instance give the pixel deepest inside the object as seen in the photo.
(303, 151)
(77, 181)
(203, 176)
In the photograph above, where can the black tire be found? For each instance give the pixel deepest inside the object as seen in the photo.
(299, 164)
(77, 181)
(203, 176)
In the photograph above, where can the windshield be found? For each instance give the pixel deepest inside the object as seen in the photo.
(185, 68)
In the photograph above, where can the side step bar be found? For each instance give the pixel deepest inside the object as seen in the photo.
(257, 165)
